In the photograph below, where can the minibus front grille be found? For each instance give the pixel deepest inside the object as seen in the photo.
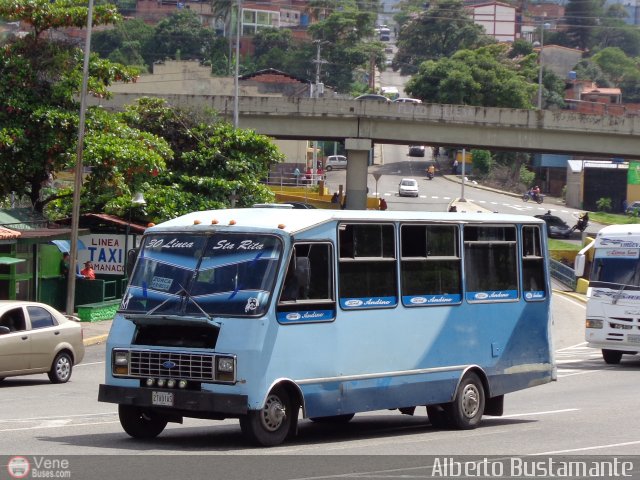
(188, 366)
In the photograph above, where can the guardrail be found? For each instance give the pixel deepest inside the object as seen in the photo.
(562, 273)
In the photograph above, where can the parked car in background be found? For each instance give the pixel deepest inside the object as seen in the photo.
(416, 150)
(556, 227)
(36, 338)
(373, 97)
(408, 188)
(633, 208)
(407, 100)
(335, 161)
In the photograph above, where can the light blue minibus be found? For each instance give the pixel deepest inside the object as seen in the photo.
(262, 313)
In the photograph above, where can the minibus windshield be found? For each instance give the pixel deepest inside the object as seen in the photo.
(204, 275)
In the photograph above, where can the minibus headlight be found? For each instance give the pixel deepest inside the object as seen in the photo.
(171, 383)
(121, 358)
(120, 363)
(594, 323)
(161, 382)
(225, 369)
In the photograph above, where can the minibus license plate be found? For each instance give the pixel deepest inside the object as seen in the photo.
(164, 399)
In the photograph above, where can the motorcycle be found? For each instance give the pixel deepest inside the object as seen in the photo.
(530, 196)
(583, 222)
(429, 175)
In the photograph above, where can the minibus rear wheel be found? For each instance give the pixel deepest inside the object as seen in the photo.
(465, 412)
(140, 423)
(270, 425)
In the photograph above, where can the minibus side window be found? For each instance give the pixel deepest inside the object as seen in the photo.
(430, 265)
(533, 283)
(307, 293)
(367, 267)
(490, 263)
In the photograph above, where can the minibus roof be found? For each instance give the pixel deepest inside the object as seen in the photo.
(296, 220)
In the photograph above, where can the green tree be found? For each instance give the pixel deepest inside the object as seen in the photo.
(127, 43)
(210, 163)
(581, 18)
(438, 32)
(482, 162)
(485, 77)
(39, 83)
(181, 35)
(272, 47)
(614, 63)
(345, 43)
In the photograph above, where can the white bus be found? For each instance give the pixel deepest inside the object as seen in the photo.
(613, 306)
(260, 313)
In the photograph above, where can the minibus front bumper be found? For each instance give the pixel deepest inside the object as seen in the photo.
(187, 401)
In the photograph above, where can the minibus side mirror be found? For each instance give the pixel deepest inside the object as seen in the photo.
(131, 260)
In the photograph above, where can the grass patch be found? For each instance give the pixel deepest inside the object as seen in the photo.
(612, 218)
(560, 245)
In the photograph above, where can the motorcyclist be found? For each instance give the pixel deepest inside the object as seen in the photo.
(535, 192)
(431, 171)
(583, 222)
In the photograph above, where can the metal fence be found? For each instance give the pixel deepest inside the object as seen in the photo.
(563, 273)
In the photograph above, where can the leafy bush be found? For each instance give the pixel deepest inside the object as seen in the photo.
(604, 204)
(526, 177)
(482, 162)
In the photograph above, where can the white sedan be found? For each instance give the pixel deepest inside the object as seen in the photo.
(408, 188)
(36, 338)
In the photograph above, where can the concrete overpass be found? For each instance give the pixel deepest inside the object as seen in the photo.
(360, 123)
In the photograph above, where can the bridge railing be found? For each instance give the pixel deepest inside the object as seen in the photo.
(563, 273)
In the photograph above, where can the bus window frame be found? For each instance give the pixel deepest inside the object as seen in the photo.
(536, 256)
(357, 303)
(430, 299)
(480, 294)
(297, 311)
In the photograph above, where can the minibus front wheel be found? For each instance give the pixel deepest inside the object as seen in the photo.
(270, 425)
(140, 423)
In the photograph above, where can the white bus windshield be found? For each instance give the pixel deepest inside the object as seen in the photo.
(614, 272)
(204, 275)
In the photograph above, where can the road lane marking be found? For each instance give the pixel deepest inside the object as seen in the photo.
(85, 364)
(585, 449)
(548, 412)
(55, 426)
(57, 417)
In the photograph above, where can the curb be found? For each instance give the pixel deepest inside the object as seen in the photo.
(455, 179)
(95, 340)
(573, 295)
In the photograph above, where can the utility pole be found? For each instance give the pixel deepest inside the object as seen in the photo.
(236, 80)
(77, 185)
(316, 94)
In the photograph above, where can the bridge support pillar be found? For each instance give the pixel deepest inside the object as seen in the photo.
(357, 165)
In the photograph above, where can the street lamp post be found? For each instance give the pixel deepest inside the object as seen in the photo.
(136, 201)
(77, 185)
(542, 28)
(236, 80)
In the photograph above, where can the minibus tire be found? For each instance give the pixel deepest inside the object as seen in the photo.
(346, 418)
(139, 423)
(611, 357)
(465, 412)
(438, 416)
(267, 427)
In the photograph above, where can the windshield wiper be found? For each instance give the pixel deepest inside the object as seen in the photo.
(190, 297)
(618, 294)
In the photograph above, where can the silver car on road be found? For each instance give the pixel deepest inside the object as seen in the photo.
(36, 338)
